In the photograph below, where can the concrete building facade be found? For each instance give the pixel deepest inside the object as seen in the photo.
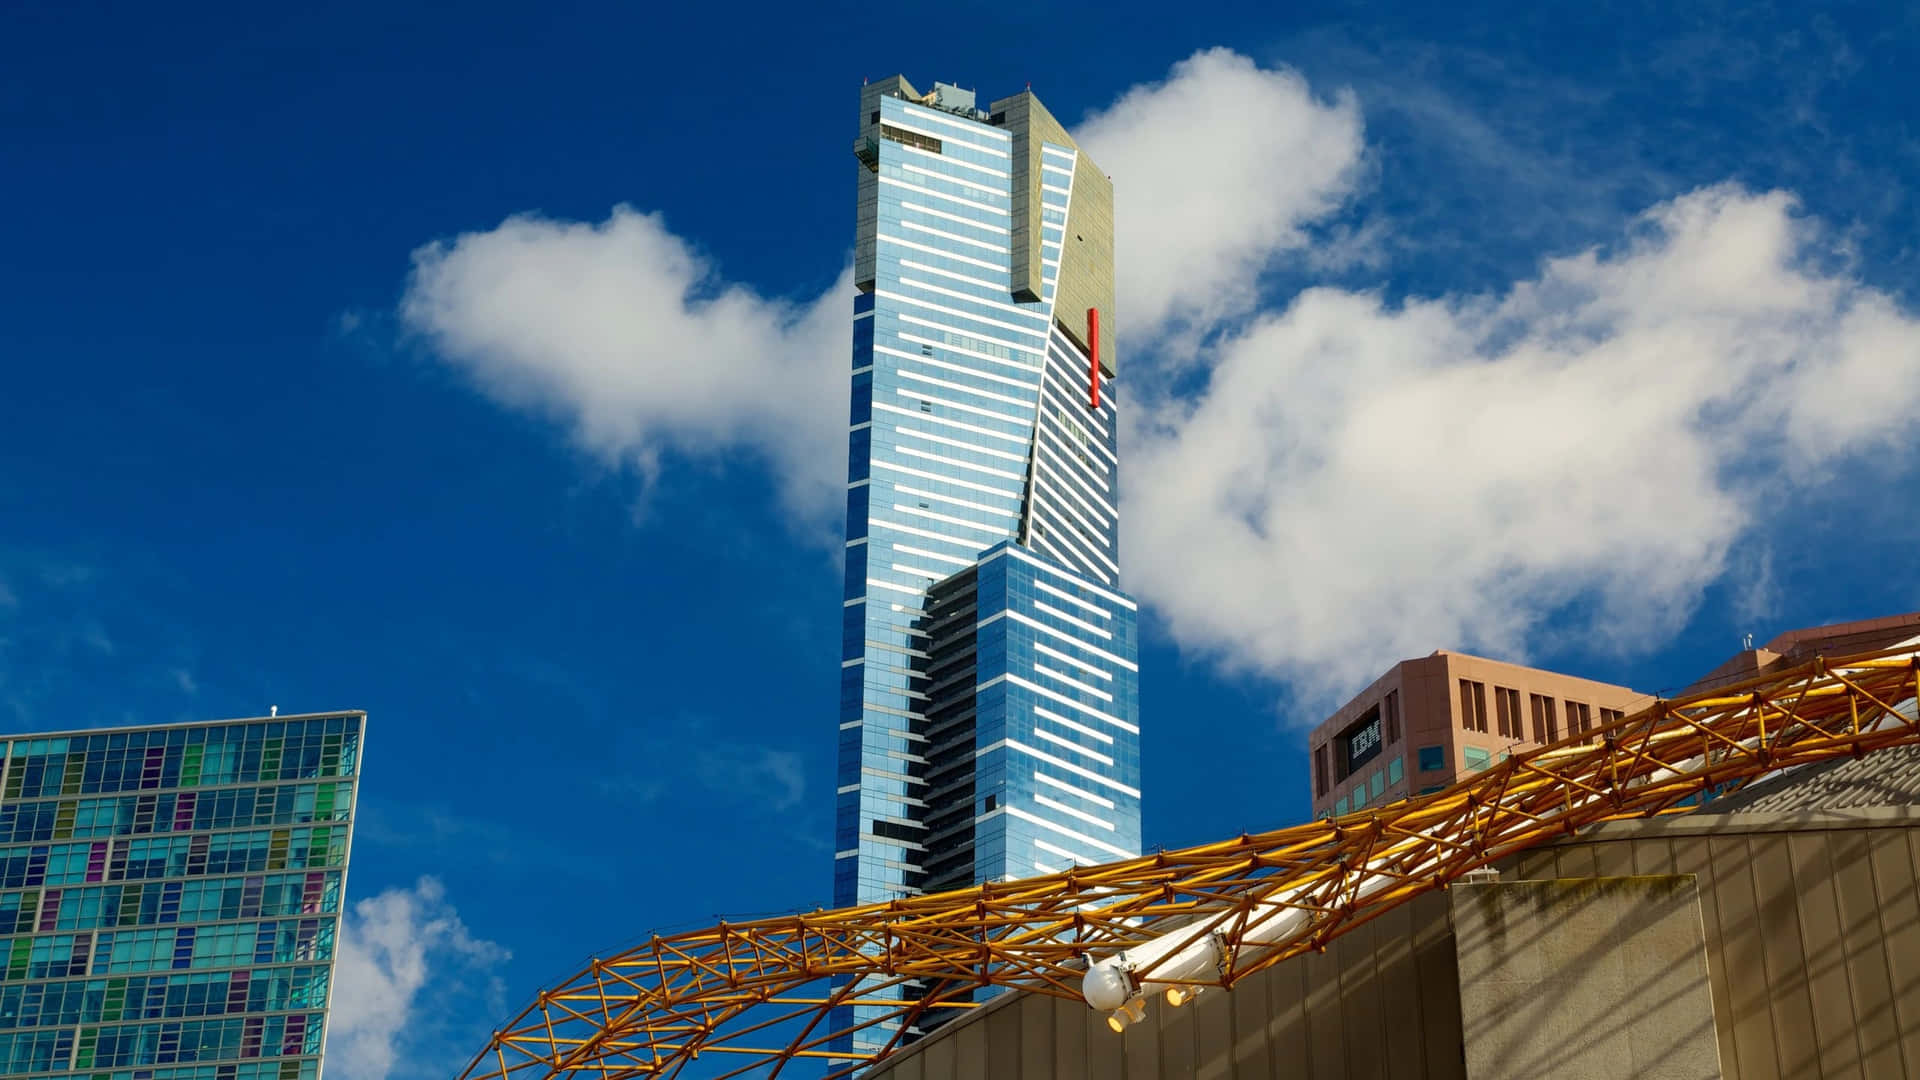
(1426, 722)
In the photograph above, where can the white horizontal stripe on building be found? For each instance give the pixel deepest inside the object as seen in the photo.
(1055, 695)
(1070, 541)
(1072, 858)
(929, 249)
(1071, 834)
(1073, 725)
(936, 477)
(1048, 650)
(1066, 171)
(1055, 590)
(961, 313)
(1040, 669)
(924, 268)
(963, 388)
(1056, 475)
(950, 160)
(962, 369)
(1111, 597)
(925, 534)
(936, 174)
(947, 421)
(1054, 804)
(985, 245)
(1071, 790)
(998, 305)
(923, 553)
(968, 465)
(930, 575)
(972, 127)
(922, 189)
(876, 583)
(1044, 186)
(918, 395)
(956, 501)
(1061, 763)
(1013, 345)
(997, 531)
(1042, 733)
(1049, 148)
(962, 444)
(1060, 449)
(948, 215)
(1055, 478)
(945, 345)
(1042, 605)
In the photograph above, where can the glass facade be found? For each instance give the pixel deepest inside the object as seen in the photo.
(988, 717)
(170, 898)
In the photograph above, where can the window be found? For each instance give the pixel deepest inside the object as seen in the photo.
(1391, 708)
(1579, 718)
(1322, 783)
(1475, 758)
(1395, 770)
(1377, 786)
(1434, 788)
(1507, 705)
(1608, 716)
(1473, 706)
(1545, 728)
(1341, 806)
(1433, 758)
(910, 138)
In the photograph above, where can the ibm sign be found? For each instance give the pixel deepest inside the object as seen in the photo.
(1363, 743)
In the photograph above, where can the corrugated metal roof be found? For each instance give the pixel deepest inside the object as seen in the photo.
(1889, 777)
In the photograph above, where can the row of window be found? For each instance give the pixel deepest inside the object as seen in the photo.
(1372, 787)
(159, 1044)
(94, 771)
(184, 811)
(60, 956)
(1510, 723)
(145, 904)
(272, 1069)
(162, 997)
(174, 856)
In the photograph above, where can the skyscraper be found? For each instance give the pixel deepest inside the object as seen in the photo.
(989, 726)
(170, 898)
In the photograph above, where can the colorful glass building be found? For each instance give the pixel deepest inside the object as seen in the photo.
(988, 719)
(170, 897)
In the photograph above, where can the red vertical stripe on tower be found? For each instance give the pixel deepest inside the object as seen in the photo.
(1093, 355)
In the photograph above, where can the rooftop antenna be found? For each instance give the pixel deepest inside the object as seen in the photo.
(273, 710)
(1746, 642)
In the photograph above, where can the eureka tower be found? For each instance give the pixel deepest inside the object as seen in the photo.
(989, 721)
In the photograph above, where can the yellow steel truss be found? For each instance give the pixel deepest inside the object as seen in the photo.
(763, 993)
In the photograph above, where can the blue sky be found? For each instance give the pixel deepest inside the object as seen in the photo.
(335, 379)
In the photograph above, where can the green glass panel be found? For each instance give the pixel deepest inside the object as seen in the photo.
(17, 960)
(190, 767)
(76, 772)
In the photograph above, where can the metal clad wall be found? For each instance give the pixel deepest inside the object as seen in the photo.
(1812, 926)
(1813, 931)
(1382, 1003)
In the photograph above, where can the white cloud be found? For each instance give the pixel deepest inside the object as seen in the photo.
(1359, 483)
(401, 953)
(1216, 170)
(629, 336)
